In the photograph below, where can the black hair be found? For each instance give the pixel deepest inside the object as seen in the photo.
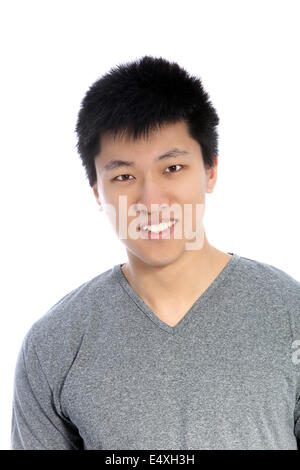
(138, 97)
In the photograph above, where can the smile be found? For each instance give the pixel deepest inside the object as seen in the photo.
(158, 227)
(158, 232)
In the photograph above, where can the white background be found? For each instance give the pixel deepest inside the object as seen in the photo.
(53, 236)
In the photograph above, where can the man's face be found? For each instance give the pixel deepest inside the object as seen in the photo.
(177, 181)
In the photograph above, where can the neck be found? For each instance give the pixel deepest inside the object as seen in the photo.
(173, 287)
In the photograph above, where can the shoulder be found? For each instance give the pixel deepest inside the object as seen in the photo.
(71, 312)
(269, 277)
(271, 286)
(55, 338)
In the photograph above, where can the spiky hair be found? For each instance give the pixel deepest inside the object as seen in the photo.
(141, 96)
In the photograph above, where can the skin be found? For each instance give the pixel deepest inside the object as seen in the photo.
(168, 277)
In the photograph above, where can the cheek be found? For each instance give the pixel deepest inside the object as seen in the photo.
(192, 201)
(191, 192)
(117, 200)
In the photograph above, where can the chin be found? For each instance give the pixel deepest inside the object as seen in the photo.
(158, 256)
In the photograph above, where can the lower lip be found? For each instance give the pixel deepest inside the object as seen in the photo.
(164, 235)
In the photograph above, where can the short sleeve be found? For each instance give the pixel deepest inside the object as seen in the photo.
(36, 424)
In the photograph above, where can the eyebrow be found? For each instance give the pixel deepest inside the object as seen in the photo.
(113, 164)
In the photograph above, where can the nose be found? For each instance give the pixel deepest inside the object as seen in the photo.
(152, 193)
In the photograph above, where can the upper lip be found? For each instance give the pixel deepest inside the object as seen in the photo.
(161, 221)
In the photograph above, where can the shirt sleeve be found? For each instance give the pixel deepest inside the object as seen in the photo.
(295, 324)
(36, 423)
(297, 423)
(296, 361)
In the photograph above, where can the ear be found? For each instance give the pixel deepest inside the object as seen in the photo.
(211, 175)
(96, 194)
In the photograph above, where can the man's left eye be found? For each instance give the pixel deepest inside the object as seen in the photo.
(173, 166)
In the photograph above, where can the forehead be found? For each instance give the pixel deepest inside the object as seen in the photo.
(158, 141)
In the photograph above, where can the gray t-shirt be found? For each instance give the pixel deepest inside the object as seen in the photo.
(100, 370)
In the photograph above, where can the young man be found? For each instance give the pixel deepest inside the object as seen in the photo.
(183, 346)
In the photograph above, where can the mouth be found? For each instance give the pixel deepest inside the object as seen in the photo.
(157, 227)
(158, 231)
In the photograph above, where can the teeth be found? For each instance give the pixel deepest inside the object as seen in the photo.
(157, 228)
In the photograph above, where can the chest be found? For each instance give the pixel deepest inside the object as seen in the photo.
(139, 391)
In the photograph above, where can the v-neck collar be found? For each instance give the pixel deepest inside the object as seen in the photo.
(118, 274)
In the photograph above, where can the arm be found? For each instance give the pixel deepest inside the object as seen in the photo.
(36, 423)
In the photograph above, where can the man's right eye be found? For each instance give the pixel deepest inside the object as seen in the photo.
(119, 176)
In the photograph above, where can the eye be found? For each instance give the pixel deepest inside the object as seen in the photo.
(127, 179)
(173, 166)
(115, 179)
